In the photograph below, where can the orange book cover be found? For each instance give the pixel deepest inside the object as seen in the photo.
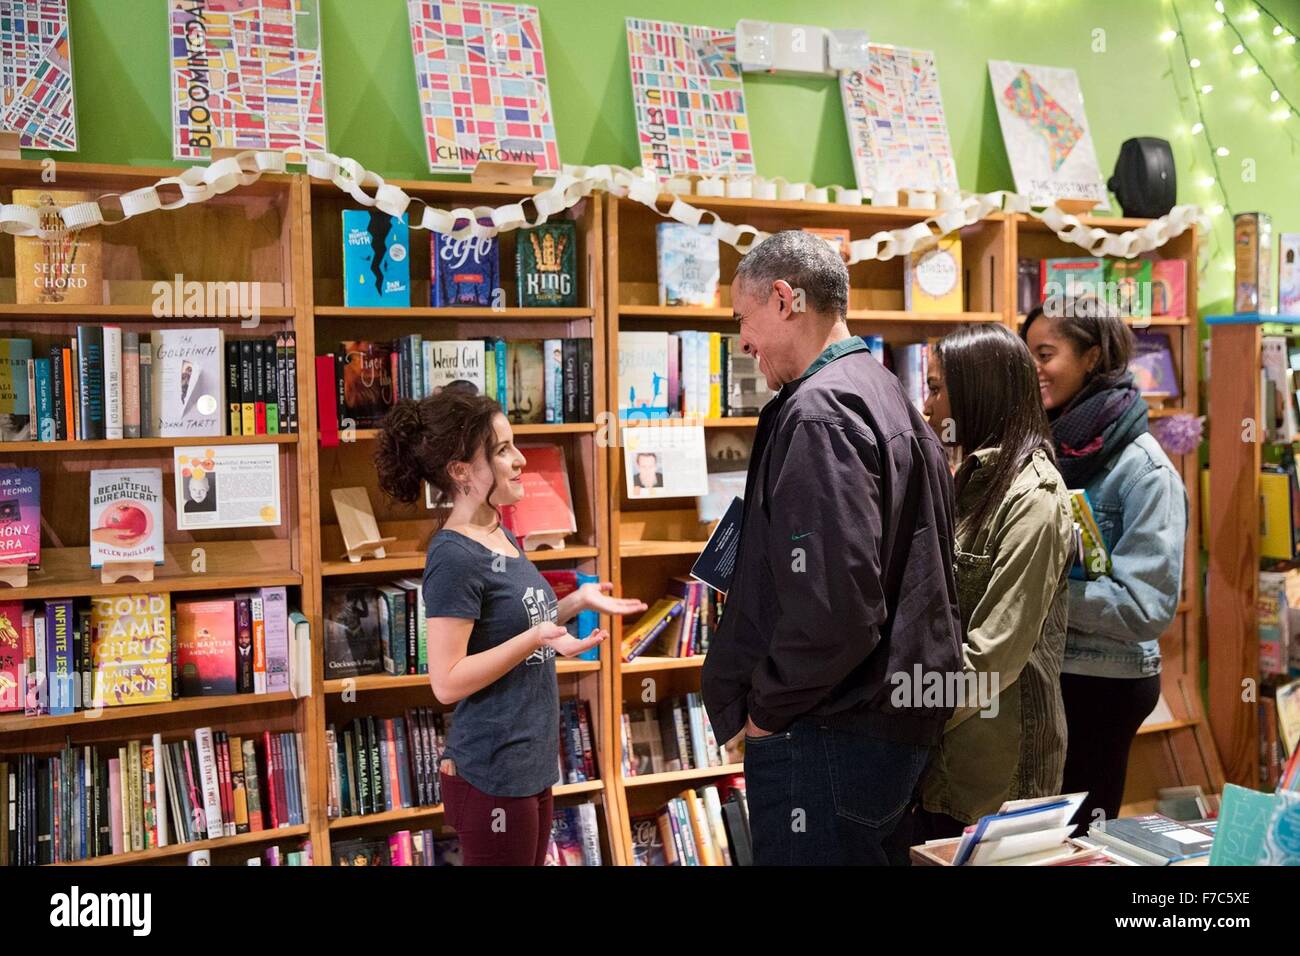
(205, 642)
(839, 238)
(68, 405)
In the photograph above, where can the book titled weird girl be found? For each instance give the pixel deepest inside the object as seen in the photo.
(126, 520)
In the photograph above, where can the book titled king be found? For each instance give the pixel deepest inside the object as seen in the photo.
(546, 264)
(20, 516)
(126, 515)
(64, 266)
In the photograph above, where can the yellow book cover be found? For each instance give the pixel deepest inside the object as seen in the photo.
(238, 787)
(646, 624)
(701, 829)
(1276, 522)
(715, 374)
(1096, 561)
(131, 648)
(63, 268)
(932, 278)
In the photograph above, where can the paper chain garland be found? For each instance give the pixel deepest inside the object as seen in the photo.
(953, 210)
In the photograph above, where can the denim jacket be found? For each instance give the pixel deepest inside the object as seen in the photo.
(1115, 622)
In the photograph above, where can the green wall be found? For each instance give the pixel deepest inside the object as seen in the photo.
(1133, 84)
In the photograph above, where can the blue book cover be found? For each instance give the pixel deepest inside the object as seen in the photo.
(499, 348)
(58, 655)
(44, 401)
(588, 621)
(376, 263)
(465, 271)
(688, 265)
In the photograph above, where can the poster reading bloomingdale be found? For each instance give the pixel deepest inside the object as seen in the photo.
(246, 74)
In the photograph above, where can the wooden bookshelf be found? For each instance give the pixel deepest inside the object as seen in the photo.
(249, 235)
(350, 463)
(652, 541)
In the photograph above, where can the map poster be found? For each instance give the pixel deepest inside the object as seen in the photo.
(246, 74)
(689, 99)
(481, 75)
(36, 74)
(1045, 130)
(894, 114)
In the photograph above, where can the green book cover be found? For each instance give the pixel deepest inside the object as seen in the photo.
(1130, 284)
(1244, 817)
(546, 264)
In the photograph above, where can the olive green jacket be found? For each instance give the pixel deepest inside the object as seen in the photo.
(1008, 743)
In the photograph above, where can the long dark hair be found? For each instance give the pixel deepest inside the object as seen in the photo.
(1086, 321)
(421, 437)
(992, 387)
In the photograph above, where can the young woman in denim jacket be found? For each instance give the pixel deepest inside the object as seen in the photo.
(1110, 679)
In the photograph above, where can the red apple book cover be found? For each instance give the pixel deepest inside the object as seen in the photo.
(126, 520)
(205, 643)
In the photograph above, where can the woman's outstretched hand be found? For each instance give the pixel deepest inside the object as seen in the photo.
(564, 643)
(600, 598)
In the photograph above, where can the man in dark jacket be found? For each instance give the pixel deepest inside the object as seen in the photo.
(843, 593)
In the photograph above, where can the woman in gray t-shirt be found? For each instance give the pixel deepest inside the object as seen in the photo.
(493, 624)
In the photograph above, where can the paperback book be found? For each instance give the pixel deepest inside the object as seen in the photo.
(126, 516)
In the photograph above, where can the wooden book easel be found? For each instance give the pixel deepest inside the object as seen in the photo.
(357, 524)
(10, 145)
(113, 571)
(503, 174)
(14, 575)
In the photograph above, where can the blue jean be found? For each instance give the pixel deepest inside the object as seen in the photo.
(821, 795)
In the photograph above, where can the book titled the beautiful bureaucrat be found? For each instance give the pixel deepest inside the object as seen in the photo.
(126, 520)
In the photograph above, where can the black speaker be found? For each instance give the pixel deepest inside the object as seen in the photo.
(1144, 181)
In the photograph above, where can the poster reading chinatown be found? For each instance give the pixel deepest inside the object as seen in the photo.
(246, 74)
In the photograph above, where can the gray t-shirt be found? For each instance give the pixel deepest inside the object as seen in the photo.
(504, 738)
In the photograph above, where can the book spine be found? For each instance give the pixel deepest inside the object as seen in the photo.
(131, 384)
(234, 396)
(247, 389)
(44, 413)
(148, 796)
(90, 351)
(378, 796)
(207, 757)
(552, 373)
(586, 382)
(72, 389)
(272, 783)
(227, 786)
(361, 767)
(112, 378)
(270, 386)
(259, 387)
(162, 793)
(291, 378)
(146, 390)
(253, 786)
(571, 381)
(56, 388)
(135, 796)
(259, 644)
(412, 631)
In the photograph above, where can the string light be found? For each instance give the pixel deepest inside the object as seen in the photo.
(1221, 151)
(1168, 36)
(1256, 67)
(1199, 126)
(1207, 89)
(1218, 5)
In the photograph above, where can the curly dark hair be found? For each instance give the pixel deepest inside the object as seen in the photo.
(421, 437)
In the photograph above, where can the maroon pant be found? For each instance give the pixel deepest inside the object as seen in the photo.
(497, 831)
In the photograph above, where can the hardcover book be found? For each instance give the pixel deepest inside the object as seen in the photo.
(353, 644)
(1169, 287)
(747, 390)
(525, 382)
(546, 264)
(205, 647)
(376, 264)
(838, 238)
(13, 658)
(367, 386)
(275, 624)
(1288, 273)
(1253, 243)
(546, 508)
(642, 375)
(1152, 365)
(126, 519)
(15, 399)
(131, 651)
(932, 278)
(1130, 283)
(63, 268)
(454, 361)
(465, 271)
(688, 265)
(188, 390)
(1071, 277)
(20, 516)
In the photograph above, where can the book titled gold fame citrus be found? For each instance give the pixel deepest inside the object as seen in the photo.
(63, 268)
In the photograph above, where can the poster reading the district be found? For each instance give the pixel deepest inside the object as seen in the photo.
(36, 74)
(1045, 130)
(688, 97)
(246, 74)
(894, 113)
(481, 75)
(229, 486)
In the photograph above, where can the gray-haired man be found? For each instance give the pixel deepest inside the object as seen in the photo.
(844, 576)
